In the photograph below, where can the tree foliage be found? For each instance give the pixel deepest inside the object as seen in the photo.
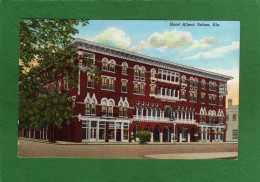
(144, 136)
(45, 44)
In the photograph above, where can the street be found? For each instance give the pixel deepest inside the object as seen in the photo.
(28, 148)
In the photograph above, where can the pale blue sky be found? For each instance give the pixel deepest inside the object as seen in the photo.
(211, 48)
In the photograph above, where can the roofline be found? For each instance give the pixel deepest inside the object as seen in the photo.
(95, 47)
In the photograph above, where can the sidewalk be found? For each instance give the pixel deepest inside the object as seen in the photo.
(212, 155)
(126, 143)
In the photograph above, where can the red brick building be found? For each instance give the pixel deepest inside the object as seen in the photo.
(138, 92)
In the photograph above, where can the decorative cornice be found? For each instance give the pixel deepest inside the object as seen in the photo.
(119, 53)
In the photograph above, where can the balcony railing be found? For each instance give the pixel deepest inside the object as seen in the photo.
(165, 97)
(165, 119)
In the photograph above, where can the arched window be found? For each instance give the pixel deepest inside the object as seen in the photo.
(104, 64)
(142, 72)
(153, 72)
(183, 79)
(136, 71)
(124, 68)
(154, 112)
(195, 82)
(167, 111)
(137, 127)
(158, 113)
(140, 111)
(149, 112)
(203, 84)
(112, 65)
(191, 82)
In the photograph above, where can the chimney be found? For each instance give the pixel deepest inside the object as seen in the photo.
(229, 102)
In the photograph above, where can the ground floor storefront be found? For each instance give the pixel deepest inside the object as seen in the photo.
(124, 130)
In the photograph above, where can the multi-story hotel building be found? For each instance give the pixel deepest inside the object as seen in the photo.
(137, 92)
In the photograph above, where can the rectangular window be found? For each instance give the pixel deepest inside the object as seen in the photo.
(152, 89)
(124, 86)
(136, 88)
(177, 77)
(120, 111)
(142, 89)
(195, 97)
(183, 94)
(124, 70)
(191, 96)
(104, 83)
(111, 83)
(125, 112)
(90, 81)
(220, 101)
(214, 100)
(104, 66)
(227, 117)
(210, 99)
(110, 111)
(234, 117)
(104, 110)
(93, 109)
(203, 98)
(87, 108)
(90, 58)
(235, 134)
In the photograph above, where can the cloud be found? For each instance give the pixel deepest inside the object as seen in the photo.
(113, 37)
(215, 53)
(203, 43)
(169, 39)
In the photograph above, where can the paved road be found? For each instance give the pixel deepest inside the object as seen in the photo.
(38, 149)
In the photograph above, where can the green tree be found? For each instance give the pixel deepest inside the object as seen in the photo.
(45, 44)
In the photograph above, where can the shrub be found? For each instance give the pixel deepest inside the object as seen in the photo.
(144, 136)
(132, 137)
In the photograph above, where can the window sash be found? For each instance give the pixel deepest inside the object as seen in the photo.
(104, 83)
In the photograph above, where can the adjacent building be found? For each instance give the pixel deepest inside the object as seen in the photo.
(232, 118)
(137, 92)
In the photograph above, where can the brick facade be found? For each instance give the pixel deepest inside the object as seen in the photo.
(164, 113)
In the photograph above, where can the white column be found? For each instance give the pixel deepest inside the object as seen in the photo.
(151, 137)
(206, 134)
(161, 137)
(122, 134)
(142, 113)
(180, 139)
(170, 92)
(172, 137)
(97, 132)
(137, 112)
(178, 93)
(151, 113)
(188, 137)
(174, 92)
(161, 91)
(115, 131)
(162, 114)
(146, 112)
(47, 132)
